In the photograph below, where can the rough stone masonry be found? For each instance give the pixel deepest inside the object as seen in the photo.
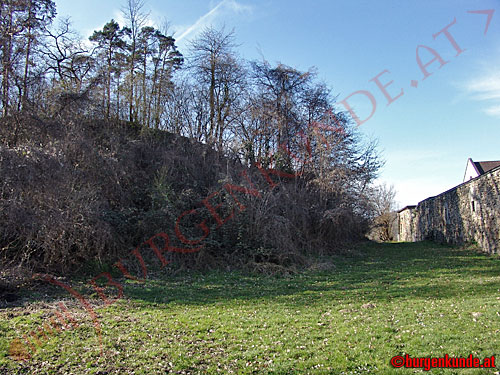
(469, 212)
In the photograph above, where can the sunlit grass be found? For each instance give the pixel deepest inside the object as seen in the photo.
(383, 300)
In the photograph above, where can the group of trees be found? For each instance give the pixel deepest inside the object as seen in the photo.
(134, 72)
(126, 70)
(268, 116)
(22, 25)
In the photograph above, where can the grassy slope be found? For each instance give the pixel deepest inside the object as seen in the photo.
(422, 299)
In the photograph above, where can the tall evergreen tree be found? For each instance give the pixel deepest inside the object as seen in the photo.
(110, 43)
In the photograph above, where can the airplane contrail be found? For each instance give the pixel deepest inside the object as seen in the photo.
(200, 20)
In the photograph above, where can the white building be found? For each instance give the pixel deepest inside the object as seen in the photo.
(477, 168)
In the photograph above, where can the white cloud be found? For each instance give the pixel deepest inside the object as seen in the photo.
(493, 111)
(224, 7)
(237, 7)
(487, 89)
(117, 16)
(155, 19)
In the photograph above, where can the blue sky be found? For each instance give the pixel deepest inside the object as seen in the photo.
(425, 135)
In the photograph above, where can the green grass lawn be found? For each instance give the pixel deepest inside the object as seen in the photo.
(382, 300)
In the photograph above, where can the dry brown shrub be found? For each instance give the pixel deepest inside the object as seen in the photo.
(78, 190)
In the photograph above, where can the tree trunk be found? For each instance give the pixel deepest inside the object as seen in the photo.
(212, 99)
(145, 116)
(7, 64)
(24, 98)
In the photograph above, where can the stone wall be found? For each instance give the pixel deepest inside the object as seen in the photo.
(407, 225)
(469, 212)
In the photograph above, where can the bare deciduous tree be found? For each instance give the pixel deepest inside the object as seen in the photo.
(221, 77)
(382, 199)
(134, 13)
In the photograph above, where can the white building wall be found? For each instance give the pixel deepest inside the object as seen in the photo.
(470, 171)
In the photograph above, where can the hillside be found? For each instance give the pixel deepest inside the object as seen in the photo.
(86, 191)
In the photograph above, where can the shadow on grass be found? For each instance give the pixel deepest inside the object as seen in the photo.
(377, 271)
(374, 271)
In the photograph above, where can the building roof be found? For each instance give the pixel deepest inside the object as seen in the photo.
(406, 208)
(486, 166)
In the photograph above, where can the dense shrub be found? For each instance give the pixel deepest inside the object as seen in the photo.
(88, 190)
